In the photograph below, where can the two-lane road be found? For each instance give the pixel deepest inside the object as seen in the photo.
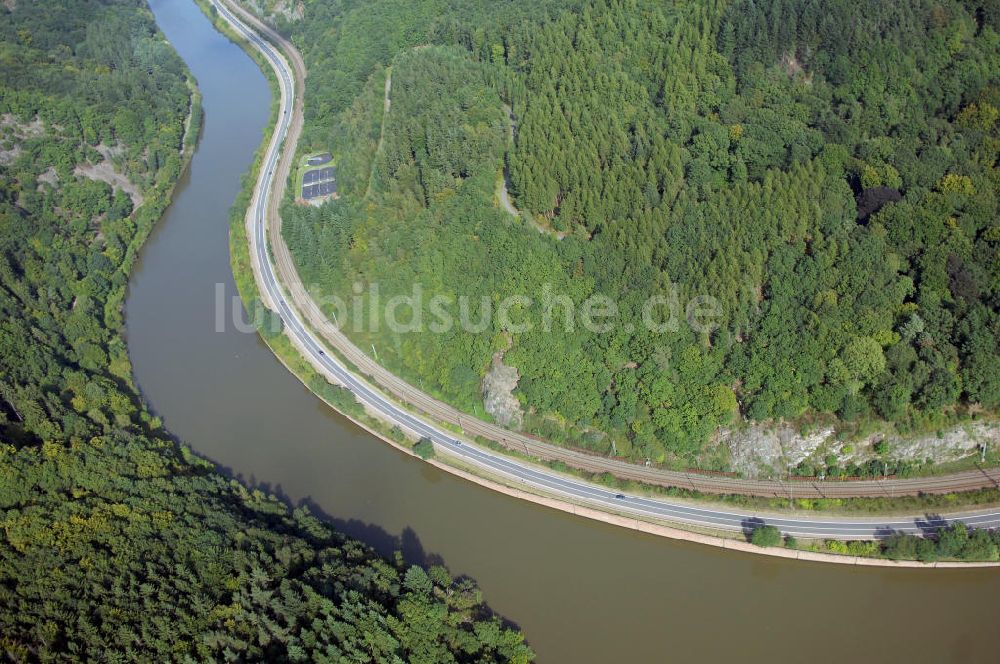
(524, 475)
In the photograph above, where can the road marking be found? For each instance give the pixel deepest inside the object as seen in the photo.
(530, 475)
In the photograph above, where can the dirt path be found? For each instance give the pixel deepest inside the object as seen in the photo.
(386, 103)
(503, 184)
(441, 412)
(503, 194)
(504, 197)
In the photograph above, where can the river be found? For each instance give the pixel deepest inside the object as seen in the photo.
(582, 592)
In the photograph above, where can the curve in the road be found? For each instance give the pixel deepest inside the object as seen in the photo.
(443, 413)
(520, 474)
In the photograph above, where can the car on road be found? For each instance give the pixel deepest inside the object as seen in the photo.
(619, 496)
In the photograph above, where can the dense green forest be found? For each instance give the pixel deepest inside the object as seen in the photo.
(826, 171)
(116, 543)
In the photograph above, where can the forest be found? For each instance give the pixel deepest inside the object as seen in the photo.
(117, 543)
(824, 171)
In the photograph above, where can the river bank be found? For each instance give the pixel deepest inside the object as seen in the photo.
(583, 591)
(311, 380)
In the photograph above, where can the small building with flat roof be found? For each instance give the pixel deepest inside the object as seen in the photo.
(320, 159)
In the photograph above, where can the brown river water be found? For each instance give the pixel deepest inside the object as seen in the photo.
(583, 592)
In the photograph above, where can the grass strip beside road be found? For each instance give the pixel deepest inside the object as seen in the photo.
(338, 398)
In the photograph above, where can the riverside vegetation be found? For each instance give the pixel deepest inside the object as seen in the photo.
(954, 542)
(825, 170)
(116, 542)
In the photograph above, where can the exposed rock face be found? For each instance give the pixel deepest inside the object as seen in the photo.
(290, 9)
(105, 172)
(23, 129)
(771, 451)
(49, 177)
(9, 156)
(15, 132)
(498, 394)
(951, 445)
(760, 451)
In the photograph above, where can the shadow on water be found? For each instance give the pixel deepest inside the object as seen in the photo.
(166, 304)
(407, 544)
(384, 543)
(586, 593)
(193, 37)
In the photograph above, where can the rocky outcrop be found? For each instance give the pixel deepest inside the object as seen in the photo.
(105, 171)
(773, 450)
(498, 394)
(291, 10)
(760, 451)
(948, 446)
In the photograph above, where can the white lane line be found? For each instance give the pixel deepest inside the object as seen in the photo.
(573, 488)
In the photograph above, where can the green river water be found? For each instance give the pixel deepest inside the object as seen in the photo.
(583, 592)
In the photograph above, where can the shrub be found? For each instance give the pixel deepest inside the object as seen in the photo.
(866, 549)
(836, 546)
(766, 536)
(980, 546)
(952, 540)
(424, 448)
(901, 546)
(927, 551)
(268, 323)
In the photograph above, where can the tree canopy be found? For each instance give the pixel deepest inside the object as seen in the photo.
(825, 171)
(116, 542)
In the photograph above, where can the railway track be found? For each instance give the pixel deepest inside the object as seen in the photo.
(422, 404)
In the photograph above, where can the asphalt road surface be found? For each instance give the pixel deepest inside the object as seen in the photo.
(530, 477)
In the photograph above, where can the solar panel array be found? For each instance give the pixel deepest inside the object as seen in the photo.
(319, 182)
(317, 190)
(318, 175)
